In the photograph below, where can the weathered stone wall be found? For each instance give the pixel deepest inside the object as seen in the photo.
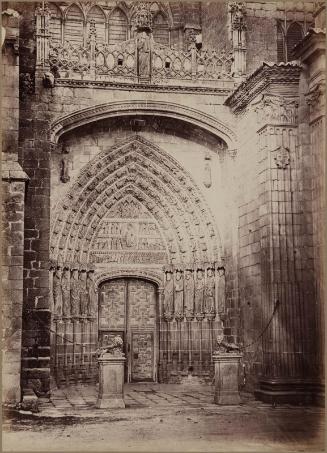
(34, 152)
(12, 213)
(250, 196)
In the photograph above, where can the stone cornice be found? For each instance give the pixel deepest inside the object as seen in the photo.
(268, 74)
(313, 43)
(224, 90)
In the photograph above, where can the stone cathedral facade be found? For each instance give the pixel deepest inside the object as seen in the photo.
(163, 180)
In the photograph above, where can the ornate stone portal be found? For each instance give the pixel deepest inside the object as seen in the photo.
(134, 208)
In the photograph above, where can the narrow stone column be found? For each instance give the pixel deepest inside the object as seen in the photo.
(111, 382)
(226, 378)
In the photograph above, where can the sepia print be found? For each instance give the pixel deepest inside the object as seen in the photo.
(163, 197)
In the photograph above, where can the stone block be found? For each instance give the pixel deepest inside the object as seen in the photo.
(227, 378)
(111, 382)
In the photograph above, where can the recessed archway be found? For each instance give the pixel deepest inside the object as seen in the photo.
(139, 172)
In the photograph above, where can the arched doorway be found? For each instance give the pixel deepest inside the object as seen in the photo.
(134, 212)
(128, 308)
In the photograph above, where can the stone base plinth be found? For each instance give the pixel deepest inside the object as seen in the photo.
(111, 382)
(289, 391)
(226, 378)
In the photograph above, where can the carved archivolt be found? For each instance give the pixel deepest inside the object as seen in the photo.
(147, 274)
(122, 108)
(138, 172)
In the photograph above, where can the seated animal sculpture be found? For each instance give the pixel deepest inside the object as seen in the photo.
(114, 348)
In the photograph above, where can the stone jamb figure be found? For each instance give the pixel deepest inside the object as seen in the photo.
(209, 292)
(199, 291)
(65, 287)
(189, 293)
(169, 293)
(75, 293)
(179, 294)
(83, 293)
(92, 295)
(57, 292)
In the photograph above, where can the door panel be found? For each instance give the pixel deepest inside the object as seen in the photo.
(128, 306)
(142, 356)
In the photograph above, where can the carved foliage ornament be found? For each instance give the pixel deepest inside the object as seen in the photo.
(238, 14)
(142, 18)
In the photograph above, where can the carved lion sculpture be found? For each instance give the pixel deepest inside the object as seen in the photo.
(114, 348)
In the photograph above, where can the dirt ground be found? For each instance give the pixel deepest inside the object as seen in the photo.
(209, 428)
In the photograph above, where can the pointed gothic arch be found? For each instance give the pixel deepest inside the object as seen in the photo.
(135, 169)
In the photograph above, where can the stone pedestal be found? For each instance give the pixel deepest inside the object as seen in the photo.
(111, 382)
(226, 378)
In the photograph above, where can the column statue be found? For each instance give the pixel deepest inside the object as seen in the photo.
(65, 287)
(189, 292)
(209, 292)
(169, 293)
(199, 291)
(92, 295)
(83, 293)
(75, 293)
(179, 293)
(57, 292)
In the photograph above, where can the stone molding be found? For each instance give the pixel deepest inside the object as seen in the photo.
(128, 272)
(205, 88)
(159, 108)
(282, 74)
(137, 168)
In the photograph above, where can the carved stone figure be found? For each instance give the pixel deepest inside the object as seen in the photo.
(199, 291)
(83, 293)
(169, 293)
(189, 292)
(48, 80)
(207, 172)
(209, 293)
(92, 295)
(130, 236)
(221, 289)
(179, 293)
(65, 165)
(115, 347)
(144, 49)
(75, 293)
(65, 286)
(57, 292)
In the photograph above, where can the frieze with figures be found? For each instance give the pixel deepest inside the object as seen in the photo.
(131, 236)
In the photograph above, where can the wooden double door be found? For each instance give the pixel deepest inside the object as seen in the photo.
(128, 308)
